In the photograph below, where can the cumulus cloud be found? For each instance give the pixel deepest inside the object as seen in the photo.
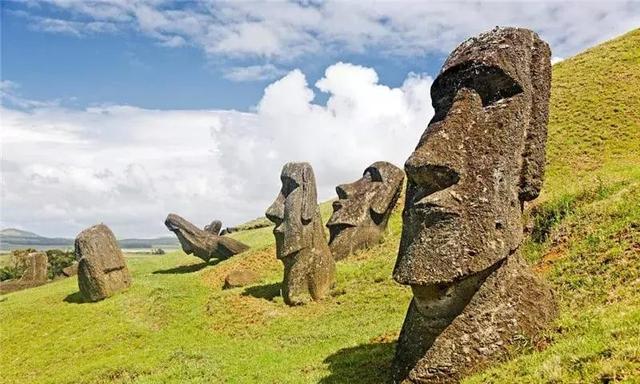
(65, 169)
(285, 30)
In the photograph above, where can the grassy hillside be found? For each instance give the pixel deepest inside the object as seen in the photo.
(176, 324)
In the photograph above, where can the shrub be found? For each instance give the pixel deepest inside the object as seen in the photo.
(58, 260)
(16, 266)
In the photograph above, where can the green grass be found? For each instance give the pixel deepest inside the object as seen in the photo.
(176, 324)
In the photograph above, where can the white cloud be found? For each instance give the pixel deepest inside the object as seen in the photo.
(65, 169)
(556, 59)
(282, 31)
(253, 73)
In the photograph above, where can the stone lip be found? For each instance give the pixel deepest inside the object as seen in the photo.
(102, 270)
(361, 213)
(204, 244)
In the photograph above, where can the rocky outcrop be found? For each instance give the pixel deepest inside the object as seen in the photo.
(361, 213)
(203, 243)
(102, 270)
(309, 268)
(71, 270)
(480, 159)
(36, 267)
(35, 272)
(240, 278)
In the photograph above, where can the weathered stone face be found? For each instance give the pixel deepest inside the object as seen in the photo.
(309, 268)
(102, 270)
(203, 243)
(479, 160)
(361, 213)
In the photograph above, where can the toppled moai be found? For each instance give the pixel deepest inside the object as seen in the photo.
(361, 213)
(205, 244)
(479, 160)
(309, 268)
(102, 270)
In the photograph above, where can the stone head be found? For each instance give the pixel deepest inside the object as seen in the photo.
(184, 231)
(362, 210)
(479, 160)
(294, 209)
(214, 227)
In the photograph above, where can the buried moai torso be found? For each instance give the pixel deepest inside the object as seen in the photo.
(361, 213)
(309, 268)
(205, 244)
(479, 160)
(102, 270)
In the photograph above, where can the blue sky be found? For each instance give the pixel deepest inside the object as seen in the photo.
(123, 111)
(132, 68)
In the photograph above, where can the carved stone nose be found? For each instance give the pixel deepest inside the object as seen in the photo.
(429, 176)
(344, 191)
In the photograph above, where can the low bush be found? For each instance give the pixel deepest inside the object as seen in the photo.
(16, 266)
(58, 260)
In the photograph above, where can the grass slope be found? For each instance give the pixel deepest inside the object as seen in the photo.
(176, 324)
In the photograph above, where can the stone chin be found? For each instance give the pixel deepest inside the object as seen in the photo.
(345, 238)
(288, 244)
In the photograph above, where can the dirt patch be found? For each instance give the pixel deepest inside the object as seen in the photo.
(549, 259)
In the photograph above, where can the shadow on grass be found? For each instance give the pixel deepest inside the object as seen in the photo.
(367, 363)
(266, 291)
(186, 268)
(75, 298)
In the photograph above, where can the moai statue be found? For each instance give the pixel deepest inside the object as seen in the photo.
(361, 213)
(479, 160)
(204, 244)
(102, 270)
(309, 268)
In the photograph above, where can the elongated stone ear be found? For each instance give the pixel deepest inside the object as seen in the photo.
(309, 193)
(533, 158)
(381, 201)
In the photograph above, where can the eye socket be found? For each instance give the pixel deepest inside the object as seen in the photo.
(490, 82)
(372, 174)
(288, 185)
